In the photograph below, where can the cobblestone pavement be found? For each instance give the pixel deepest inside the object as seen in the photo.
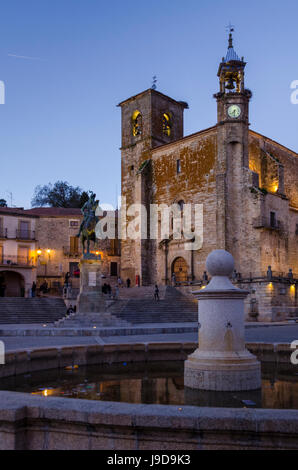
(266, 334)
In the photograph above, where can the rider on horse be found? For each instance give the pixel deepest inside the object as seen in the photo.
(87, 228)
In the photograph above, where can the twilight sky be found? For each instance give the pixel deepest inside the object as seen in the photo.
(66, 64)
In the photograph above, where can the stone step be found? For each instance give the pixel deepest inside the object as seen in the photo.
(78, 320)
(33, 310)
(175, 308)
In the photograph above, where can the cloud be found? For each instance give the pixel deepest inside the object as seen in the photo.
(24, 57)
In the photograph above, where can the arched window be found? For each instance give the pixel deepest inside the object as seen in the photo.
(137, 123)
(166, 124)
(181, 205)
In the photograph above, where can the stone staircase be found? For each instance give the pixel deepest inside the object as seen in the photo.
(137, 306)
(141, 292)
(19, 310)
(140, 307)
(91, 320)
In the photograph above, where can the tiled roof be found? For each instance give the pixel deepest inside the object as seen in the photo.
(42, 211)
(54, 211)
(16, 211)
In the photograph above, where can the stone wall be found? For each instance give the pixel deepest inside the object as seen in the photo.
(270, 301)
(196, 185)
(277, 168)
(54, 233)
(33, 423)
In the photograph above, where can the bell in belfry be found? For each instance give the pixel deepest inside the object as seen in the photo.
(230, 85)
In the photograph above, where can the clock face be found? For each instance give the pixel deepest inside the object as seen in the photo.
(234, 111)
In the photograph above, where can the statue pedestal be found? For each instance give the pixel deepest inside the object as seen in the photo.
(90, 298)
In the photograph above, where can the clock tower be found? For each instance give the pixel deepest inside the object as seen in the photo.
(232, 164)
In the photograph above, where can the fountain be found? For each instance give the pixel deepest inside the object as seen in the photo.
(221, 362)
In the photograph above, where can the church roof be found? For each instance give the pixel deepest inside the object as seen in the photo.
(153, 91)
(231, 55)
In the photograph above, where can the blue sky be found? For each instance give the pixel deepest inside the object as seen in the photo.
(66, 64)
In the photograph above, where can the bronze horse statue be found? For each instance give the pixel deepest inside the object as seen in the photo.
(87, 228)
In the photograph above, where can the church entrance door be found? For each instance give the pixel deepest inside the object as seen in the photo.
(180, 270)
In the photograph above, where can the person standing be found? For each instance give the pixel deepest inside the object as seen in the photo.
(33, 289)
(2, 287)
(116, 292)
(109, 290)
(128, 283)
(156, 292)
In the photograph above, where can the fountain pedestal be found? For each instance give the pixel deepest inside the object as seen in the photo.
(222, 363)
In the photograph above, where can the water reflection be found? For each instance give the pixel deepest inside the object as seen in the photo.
(159, 383)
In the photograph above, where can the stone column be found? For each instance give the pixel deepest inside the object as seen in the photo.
(222, 362)
(90, 297)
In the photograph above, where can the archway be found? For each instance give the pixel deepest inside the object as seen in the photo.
(179, 268)
(12, 284)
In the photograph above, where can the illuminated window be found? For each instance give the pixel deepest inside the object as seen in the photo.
(166, 124)
(74, 223)
(137, 124)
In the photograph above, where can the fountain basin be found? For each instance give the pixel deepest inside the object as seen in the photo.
(46, 422)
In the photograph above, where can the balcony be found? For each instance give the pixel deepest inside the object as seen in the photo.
(19, 261)
(71, 253)
(25, 235)
(264, 222)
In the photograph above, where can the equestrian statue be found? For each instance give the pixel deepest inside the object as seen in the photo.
(87, 228)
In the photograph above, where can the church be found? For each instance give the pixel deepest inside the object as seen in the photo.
(246, 182)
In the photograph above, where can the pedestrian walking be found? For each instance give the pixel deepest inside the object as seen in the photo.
(156, 293)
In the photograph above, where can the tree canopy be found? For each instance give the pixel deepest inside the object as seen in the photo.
(59, 194)
(3, 203)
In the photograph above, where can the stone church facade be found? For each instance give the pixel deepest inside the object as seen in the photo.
(246, 182)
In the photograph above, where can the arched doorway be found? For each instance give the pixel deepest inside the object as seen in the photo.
(179, 268)
(12, 284)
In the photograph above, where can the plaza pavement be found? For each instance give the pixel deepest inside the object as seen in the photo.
(263, 333)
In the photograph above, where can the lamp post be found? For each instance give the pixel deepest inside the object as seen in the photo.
(49, 258)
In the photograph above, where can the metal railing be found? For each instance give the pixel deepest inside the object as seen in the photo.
(13, 260)
(71, 253)
(265, 222)
(25, 235)
(3, 232)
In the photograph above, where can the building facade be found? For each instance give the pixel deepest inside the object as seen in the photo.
(246, 183)
(18, 260)
(41, 245)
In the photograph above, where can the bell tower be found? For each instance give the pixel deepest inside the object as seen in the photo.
(149, 119)
(232, 165)
(233, 98)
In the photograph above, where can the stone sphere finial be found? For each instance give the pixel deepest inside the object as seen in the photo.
(220, 263)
